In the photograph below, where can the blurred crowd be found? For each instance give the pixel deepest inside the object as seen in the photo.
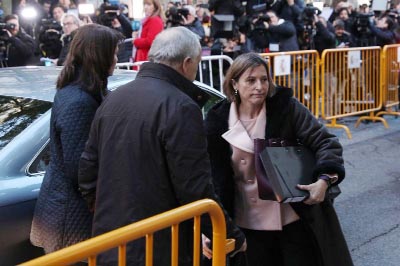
(39, 33)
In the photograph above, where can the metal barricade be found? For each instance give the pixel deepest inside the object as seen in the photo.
(209, 75)
(350, 85)
(146, 228)
(298, 70)
(390, 68)
(129, 65)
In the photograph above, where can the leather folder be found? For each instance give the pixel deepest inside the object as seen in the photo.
(288, 166)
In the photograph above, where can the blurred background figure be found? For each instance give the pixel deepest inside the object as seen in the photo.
(58, 11)
(112, 17)
(70, 24)
(151, 25)
(17, 47)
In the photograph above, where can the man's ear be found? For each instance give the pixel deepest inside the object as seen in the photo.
(186, 65)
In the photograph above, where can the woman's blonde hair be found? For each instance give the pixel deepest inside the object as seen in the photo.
(158, 9)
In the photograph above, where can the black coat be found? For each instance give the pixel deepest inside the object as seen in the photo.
(20, 49)
(288, 119)
(147, 153)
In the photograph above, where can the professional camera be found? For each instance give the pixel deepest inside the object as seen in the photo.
(362, 20)
(308, 14)
(308, 17)
(259, 34)
(4, 27)
(49, 38)
(361, 28)
(108, 14)
(175, 16)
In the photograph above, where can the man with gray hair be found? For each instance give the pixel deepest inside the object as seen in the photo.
(147, 153)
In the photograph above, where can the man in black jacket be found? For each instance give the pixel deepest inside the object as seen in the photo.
(19, 45)
(147, 150)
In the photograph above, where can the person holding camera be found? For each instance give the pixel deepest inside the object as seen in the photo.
(282, 34)
(20, 47)
(383, 30)
(324, 38)
(152, 25)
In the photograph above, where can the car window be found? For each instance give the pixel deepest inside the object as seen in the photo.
(41, 162)
(16, 114)
(210, 103)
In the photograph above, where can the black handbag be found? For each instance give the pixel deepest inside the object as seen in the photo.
(284, 165)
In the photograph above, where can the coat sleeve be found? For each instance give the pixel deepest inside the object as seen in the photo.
(313, 134)
(187, 158)
(73, 127)
(88, 167)
(24, 44)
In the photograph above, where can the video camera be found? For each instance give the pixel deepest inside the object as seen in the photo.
(362, 21)
(308, 14)
(107, 14)
(50, 38)
(259, 14)
(175, 15)
(5, 27)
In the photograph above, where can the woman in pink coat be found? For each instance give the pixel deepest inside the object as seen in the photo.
(152, 25)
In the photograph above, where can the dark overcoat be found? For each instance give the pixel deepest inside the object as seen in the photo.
(287, 119)
(62, 217)
(147, 154)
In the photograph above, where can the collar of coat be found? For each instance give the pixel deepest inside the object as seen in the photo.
(277, 107)
(171, 76)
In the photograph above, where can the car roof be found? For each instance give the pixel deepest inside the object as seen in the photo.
(39, 82)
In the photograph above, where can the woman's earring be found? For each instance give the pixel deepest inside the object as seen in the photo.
(236, 92)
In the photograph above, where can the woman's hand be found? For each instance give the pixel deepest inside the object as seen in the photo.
(317, 191)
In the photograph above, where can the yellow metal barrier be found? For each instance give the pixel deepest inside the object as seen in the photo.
(147, 227)
(350, 85)
(298, 70)
(390, 64)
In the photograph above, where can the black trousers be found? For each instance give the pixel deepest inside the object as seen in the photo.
(293, 246)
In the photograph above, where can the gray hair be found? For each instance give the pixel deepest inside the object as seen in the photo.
(74, 18)
(173, 45)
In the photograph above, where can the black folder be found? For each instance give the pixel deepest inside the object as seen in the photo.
(288, 166)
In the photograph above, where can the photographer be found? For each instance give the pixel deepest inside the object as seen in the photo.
(19, 46)
(324, 38)
(111, 16)
(49, 38)
(282, 34)
(383, 31)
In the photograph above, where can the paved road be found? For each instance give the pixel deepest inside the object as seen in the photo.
(369, 206)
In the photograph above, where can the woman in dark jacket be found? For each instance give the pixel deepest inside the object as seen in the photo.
(306, 233)
(62, 217)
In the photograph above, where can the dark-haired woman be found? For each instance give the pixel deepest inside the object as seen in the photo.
(62, 217)
(279, 234)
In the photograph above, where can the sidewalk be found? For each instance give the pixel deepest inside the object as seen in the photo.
(365, 131)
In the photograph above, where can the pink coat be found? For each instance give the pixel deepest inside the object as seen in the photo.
(250, 211)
